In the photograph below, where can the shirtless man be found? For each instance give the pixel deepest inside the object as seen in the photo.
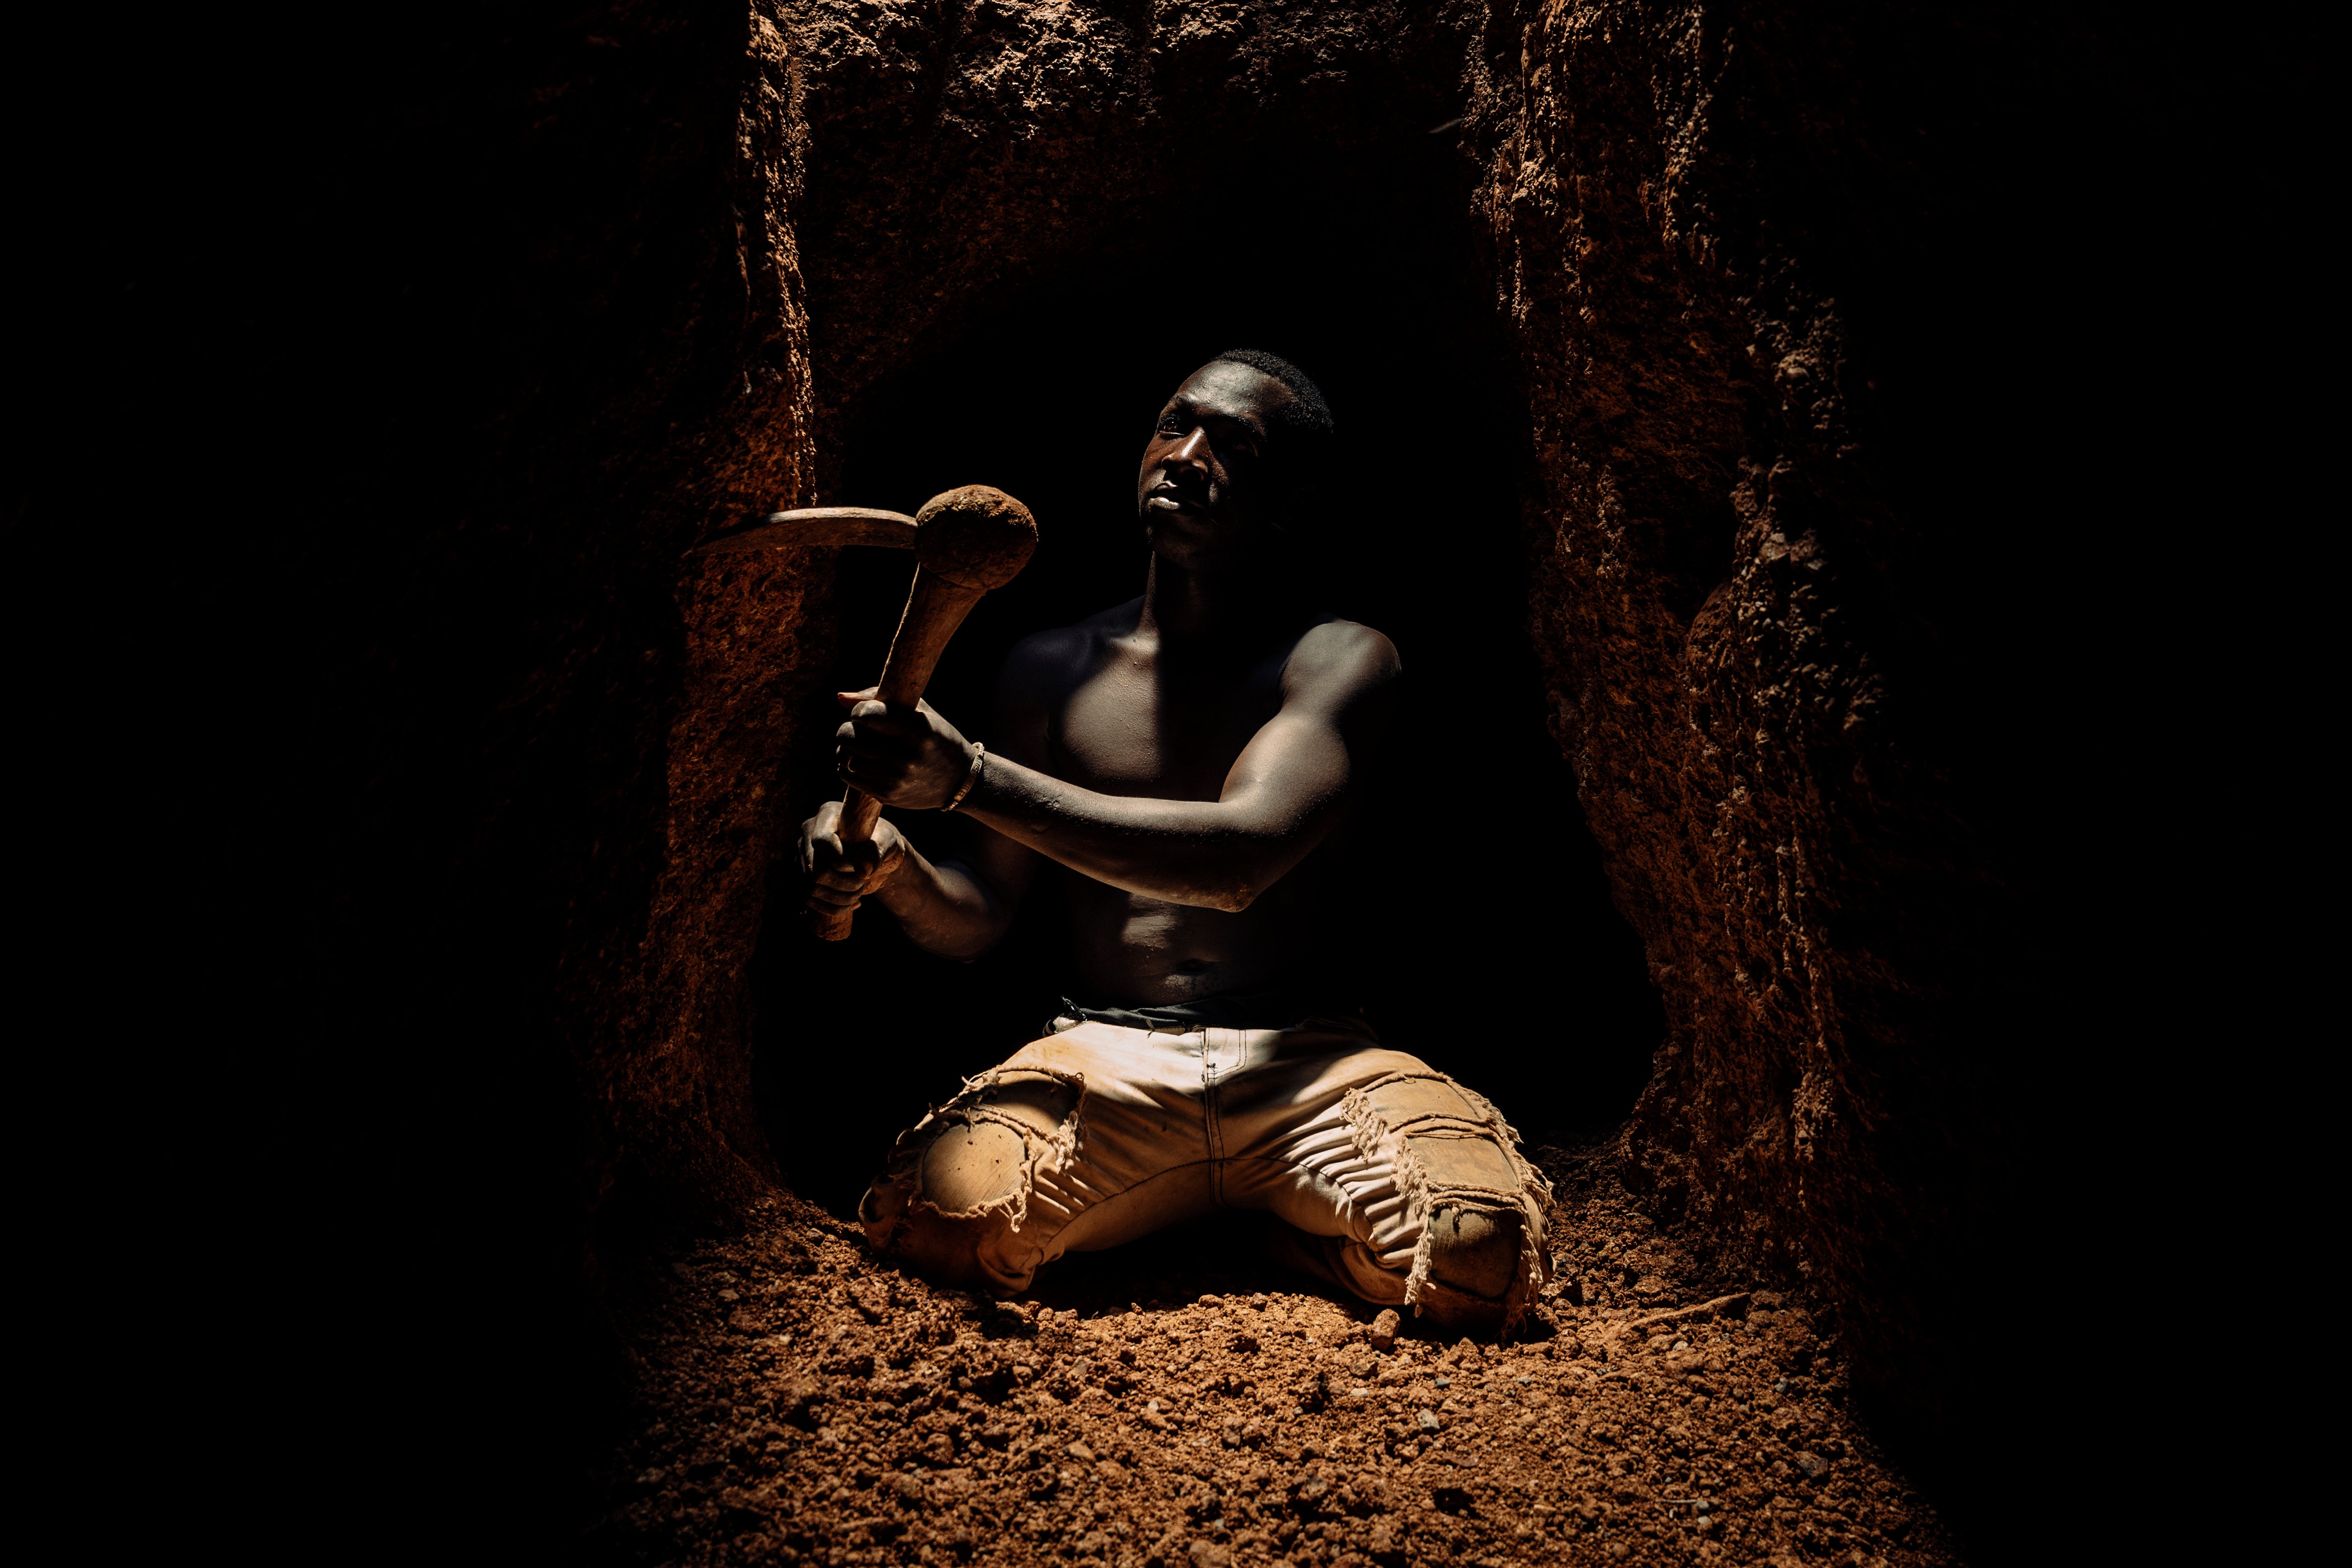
(1186, 754)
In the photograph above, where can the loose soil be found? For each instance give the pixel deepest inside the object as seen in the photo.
(1177, 1404)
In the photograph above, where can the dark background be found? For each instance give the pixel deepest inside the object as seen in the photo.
(1489, 945)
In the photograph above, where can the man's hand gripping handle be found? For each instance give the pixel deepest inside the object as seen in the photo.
(967, 543)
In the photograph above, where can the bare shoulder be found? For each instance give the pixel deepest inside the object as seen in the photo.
(1046, 666)
(1341, 662)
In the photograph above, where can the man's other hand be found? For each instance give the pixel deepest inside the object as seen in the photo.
(902, 756)
(841, 879)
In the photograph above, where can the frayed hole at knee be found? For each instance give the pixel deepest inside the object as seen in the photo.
(970, 1168)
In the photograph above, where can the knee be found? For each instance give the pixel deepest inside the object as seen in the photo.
(934, 1205)
(955, 1189)
(1477, 1269)
(1473, 1250)
(969, 1167)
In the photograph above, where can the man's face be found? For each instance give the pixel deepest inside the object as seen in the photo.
(1202, 491)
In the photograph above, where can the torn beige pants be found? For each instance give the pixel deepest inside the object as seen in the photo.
(1409, 1188)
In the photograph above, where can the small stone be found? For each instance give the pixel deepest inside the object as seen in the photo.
(1209, 1555)
(1081, 1453)
(1212, 1300)
(1427, 1421)
(1812, 1464)
(1384, 1329)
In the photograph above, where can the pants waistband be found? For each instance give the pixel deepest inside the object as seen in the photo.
(1274, 1008)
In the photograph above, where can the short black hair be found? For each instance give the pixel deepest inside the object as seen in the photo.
(1302, 454)
(1306, 413)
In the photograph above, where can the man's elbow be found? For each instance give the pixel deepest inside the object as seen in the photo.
(986, 942)
(1236, 897)
(1227, 887)
(1243, 887)
(963, 945)
(1227, 898)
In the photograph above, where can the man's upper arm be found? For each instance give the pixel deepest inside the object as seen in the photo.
(1336, 690)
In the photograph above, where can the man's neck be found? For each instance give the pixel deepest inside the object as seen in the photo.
(1185, 607)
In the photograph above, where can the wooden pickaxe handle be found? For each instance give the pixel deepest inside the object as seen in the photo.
(967, 541)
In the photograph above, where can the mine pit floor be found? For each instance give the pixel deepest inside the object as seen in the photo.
(1172, 1405)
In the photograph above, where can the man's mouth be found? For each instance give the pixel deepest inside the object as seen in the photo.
(1181, 500)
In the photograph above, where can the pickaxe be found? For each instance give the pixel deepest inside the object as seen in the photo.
(966, 542)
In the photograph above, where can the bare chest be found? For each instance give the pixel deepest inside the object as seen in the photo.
(1127, 729)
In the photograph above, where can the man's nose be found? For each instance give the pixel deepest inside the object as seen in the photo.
(1193, 452)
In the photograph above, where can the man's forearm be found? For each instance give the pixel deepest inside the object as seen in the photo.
(1218, 855)
(944, 909)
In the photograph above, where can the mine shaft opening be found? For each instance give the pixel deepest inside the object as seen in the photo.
(1493, 950)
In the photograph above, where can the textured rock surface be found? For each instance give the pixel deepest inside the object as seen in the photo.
(1729, 593)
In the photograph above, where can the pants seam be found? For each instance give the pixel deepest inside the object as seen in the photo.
(1212, 1122)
